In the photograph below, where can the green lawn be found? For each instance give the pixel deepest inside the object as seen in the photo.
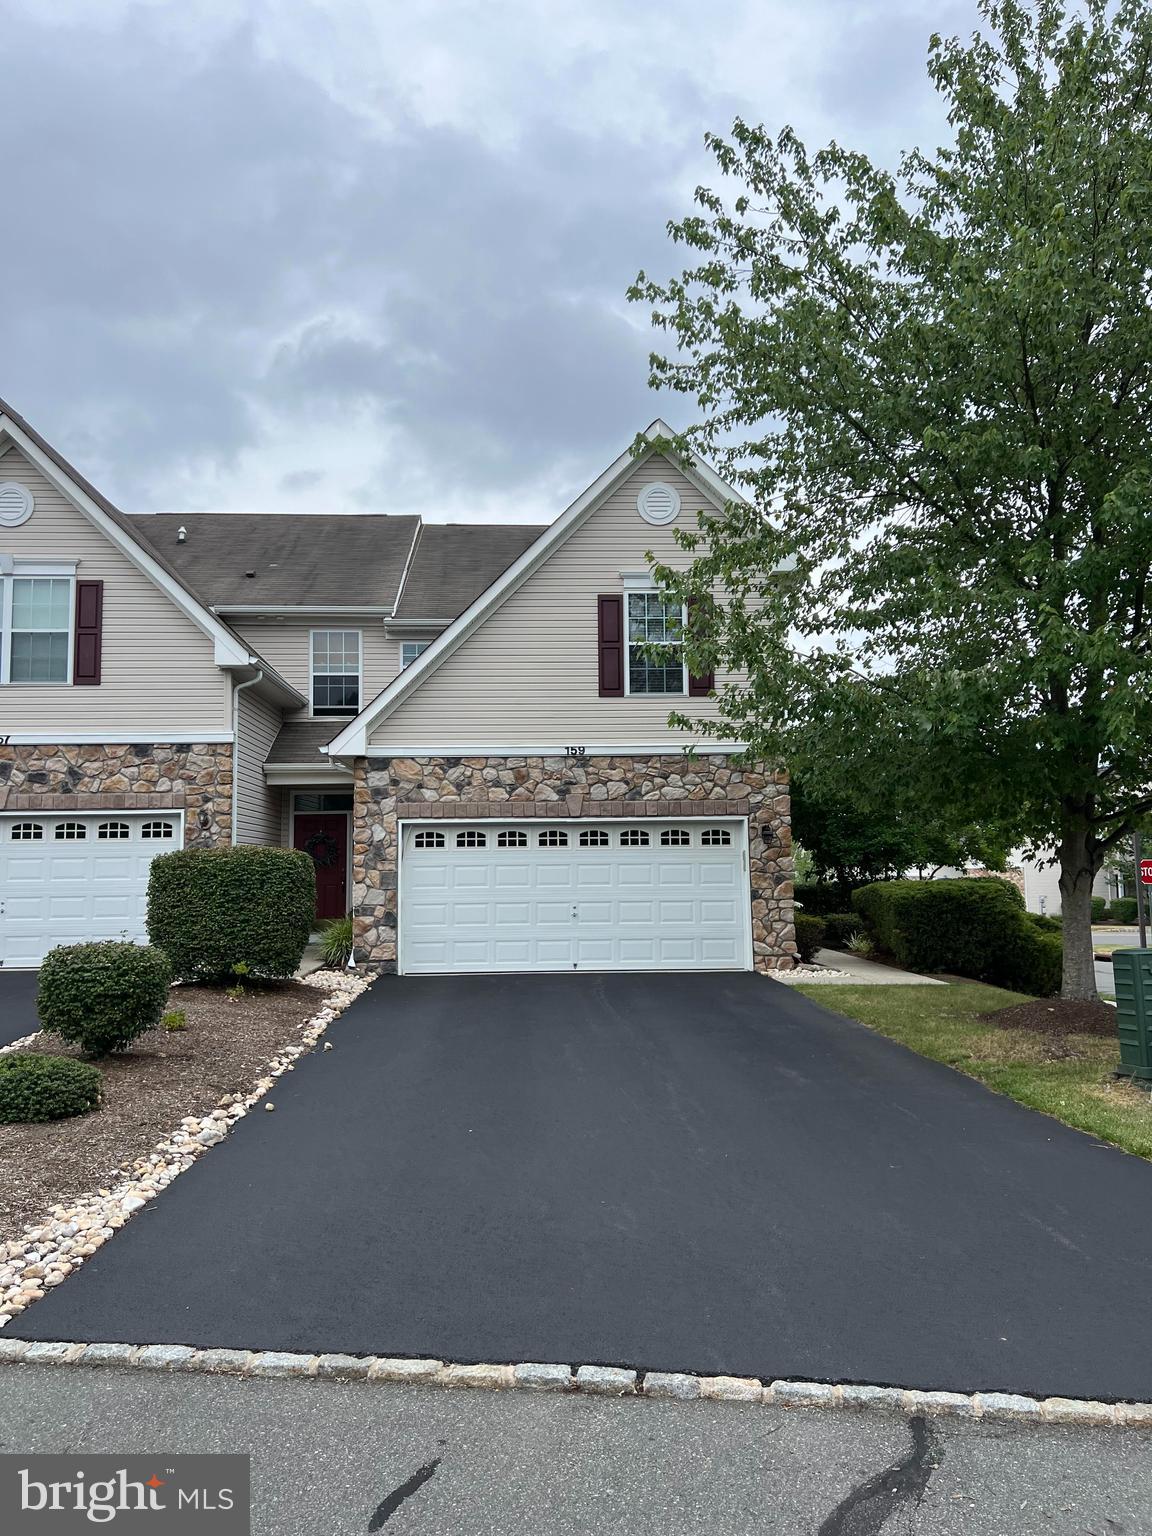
(944, 1023)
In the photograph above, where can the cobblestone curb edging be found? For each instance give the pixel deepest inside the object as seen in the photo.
(595, 1380)
(46, 1254)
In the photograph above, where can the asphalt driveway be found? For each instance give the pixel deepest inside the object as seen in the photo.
(704, 1173)
(18, 1015)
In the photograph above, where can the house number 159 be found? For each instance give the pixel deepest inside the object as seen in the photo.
(574, 751)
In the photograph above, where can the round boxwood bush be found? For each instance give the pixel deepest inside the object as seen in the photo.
(101, 996)
(34, 1087)
(222, 912)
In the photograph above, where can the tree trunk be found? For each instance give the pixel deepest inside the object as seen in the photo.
(1078, 869)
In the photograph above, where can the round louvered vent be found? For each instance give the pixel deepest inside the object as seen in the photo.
(658, 503)
(15, 504)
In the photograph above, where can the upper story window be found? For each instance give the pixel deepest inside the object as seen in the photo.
(336, 671)
(655, 620)
(410, 649)
(37, 630)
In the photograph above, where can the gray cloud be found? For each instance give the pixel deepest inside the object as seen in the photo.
(247, 268)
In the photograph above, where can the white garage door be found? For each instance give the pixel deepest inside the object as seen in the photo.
(65, 878)
(574, 896)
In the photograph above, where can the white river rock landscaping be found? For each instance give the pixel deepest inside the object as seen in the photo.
(48, 1253)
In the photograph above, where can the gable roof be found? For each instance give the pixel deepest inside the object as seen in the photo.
(333, 560)
(453, 563)
(352, 741)
(229, 649)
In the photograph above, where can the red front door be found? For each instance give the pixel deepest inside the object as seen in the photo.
(324, 834)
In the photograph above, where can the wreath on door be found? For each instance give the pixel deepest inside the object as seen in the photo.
(324, 848)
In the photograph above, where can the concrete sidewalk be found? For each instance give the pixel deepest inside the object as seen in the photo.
(848, 970)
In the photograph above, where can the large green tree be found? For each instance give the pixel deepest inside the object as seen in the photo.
(856, 840)
(936, 384)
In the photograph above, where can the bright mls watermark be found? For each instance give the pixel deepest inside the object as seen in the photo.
(185, 1495)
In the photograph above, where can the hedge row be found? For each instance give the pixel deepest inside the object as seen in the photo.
(974, 928)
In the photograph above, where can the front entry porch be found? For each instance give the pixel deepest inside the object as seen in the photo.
(320, 824)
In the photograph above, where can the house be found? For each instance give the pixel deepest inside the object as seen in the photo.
(459, 723)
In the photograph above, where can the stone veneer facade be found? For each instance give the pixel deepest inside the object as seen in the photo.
(125, 777)
(390, 790)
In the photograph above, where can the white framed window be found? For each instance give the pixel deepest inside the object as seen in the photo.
(634, 837)
(428, 840)
(553, 838)
(471, 840)
(70, 832)
(716, 837)
(156, 829)
(511, 839)
(27, 832)
(37, 605)
(337, 665)
(594, 839)
(410, 649)
(674, 837)
(112, 831)
(655, 620)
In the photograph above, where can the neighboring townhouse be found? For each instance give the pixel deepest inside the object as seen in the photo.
(460, 723)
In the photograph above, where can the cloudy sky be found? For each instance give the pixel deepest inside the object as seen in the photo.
(364, 254)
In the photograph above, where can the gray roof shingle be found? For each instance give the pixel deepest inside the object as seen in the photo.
(454, 562)
(300, 741)
(342, 559)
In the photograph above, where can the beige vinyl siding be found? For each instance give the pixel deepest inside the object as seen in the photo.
(285, 644)
(530, 674)
(158, 680)
(257, 803)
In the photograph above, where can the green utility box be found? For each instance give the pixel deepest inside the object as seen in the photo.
(1132, 969)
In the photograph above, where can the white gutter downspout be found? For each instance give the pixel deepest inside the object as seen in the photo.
(237, 690)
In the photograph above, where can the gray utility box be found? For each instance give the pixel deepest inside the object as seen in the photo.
(1132, 969)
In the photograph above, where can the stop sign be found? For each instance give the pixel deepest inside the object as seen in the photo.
(1146, 871)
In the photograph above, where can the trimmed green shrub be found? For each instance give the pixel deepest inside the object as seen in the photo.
(840, 926)
(1046, 922)
(1123, 910)
(336, 942)
(38, 1088)
(809, 936)
(214, 910)
(975, 928)
(1036, 965)
(1099, 909)
(101, 996)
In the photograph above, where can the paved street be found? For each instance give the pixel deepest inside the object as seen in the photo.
(328, 1458)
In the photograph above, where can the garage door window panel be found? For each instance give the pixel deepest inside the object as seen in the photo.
(27, 832)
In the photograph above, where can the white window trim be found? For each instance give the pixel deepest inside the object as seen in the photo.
(633, 587)
(404, 644)
(334, 629)
(12, 571)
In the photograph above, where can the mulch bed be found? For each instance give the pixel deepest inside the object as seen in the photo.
(148, 1090)
(1056, 1016)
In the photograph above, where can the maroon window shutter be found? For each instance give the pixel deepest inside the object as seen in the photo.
(698, 687)
(89, 623)
(610, 620)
